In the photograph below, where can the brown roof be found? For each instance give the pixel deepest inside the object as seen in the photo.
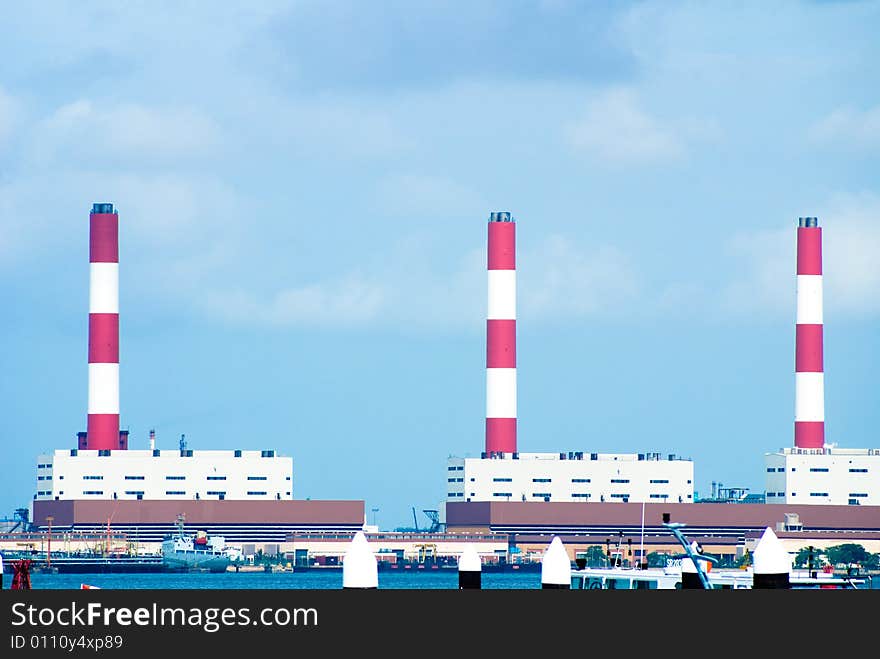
(81, 511)
(754, 515)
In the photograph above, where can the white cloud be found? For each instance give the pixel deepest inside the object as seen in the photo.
(615, 129)
(341, 303)
(95, 131)
(563, 280)
(850, 127)
(765, 281)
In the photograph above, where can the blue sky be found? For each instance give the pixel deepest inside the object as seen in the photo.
(303, 191)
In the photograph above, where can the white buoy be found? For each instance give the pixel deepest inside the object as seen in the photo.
(359, 566)
(556, 566)
(771, 564)
(469, 569)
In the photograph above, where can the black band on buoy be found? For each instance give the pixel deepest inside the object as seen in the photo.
(556, 586)
(771, 581)
(469, 580)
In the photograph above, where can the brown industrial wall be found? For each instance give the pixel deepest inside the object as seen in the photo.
(80, 511)
(480, 515)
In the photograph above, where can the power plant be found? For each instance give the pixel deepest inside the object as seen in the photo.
(586, 495)
(247, 495)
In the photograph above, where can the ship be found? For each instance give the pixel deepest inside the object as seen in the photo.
(197, 552)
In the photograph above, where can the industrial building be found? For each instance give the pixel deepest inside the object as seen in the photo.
(814, 471)
(586, 495)
(164, 474)
(577, 476)
(102, 486)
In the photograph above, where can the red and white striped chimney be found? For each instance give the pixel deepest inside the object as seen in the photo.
(501, 337)
(103, 423)
(809, 412)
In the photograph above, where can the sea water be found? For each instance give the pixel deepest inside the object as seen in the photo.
(308, 580)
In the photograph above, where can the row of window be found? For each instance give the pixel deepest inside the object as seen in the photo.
(167, 478)
(655, 481)
(852, 470)
(575, 495)
(455, 480)
(167, 492)
(458, 468)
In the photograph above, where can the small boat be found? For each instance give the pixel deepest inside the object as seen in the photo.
(197, 552)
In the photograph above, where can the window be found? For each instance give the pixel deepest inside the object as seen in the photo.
(215, 493)
(822, 469)
(501, 480)
(175, 478)
(455, 494)
(659, 480)
(580, 495)
(858, 471)
(620, 480)
(256, 478)
(689, 481)
(541, 495)
(90, 492)
(818, 494)
(134, 478)
(455, 480)
(659, 496)
(135, 492)
(620, 496)
(93, 478)
(771, 494)
(172, 493)
(254, 493)
(541, 480)
(780, 494)
(857, 494)
(501, 494)
(216, 478)
(44, 478)
(580, 480)
(769, 469)
(458, 468)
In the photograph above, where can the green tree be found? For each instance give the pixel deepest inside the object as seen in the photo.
(847, 553)
(658, 559)
(595, 556)
(802, 558)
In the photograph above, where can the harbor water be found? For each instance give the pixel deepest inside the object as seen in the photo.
(307, 580)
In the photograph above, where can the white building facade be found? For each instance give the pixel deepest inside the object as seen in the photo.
(164, 474)
(827, 476)
(578, 476)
